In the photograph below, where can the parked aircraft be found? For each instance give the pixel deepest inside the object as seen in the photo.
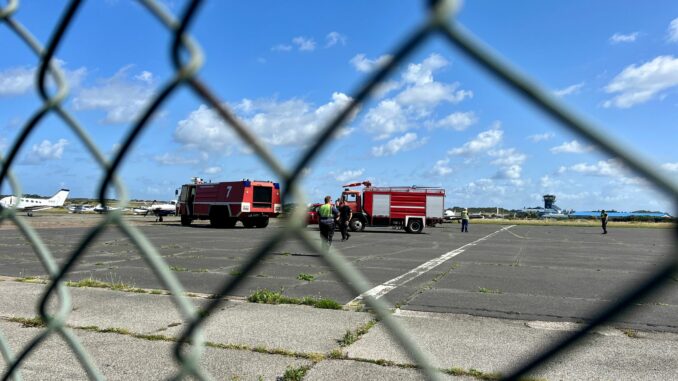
(103, 209)
(159, 210)
(30, 205)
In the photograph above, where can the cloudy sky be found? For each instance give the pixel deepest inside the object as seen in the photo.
(287, 68)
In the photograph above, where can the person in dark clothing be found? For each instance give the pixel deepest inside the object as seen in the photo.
(328, 214)
(603, 221)
(345, 215)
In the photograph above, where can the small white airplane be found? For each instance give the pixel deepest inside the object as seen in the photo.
(30, 205)
(159, 210)
(103, 209)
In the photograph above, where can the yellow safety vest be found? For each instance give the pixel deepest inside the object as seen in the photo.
(325, 211)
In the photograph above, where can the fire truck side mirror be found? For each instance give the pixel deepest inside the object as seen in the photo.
(176, 192)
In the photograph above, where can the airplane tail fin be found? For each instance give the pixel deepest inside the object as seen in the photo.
(59, 198)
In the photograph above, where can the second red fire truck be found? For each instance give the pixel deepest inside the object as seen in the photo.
(225, 203)
(410, 208)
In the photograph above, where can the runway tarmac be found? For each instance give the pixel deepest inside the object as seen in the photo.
(544, 273)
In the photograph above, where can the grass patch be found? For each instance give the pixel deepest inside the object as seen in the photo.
(115, 286)
(295, 374)
(235, 273)
(351, 337)
(32, 279)
(199, 271)
(306, 277)
(34, 322)
(632, 333)
(488, 290)
(178, 268)
(265, 296)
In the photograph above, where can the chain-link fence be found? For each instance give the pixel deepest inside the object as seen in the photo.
(189, 348)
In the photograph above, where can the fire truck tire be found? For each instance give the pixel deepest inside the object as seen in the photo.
(415, 226)
(248, 223)
(229, 222)
(185, 221)
(262, 222)
(356, 224)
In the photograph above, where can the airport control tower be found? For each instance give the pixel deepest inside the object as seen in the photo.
(549, 200)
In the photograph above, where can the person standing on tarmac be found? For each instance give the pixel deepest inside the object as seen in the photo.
(464, 220)
(328, 213)
(345, 215)
(603, 220)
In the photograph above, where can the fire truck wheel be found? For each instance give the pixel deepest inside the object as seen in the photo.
(230, 222)
(185, 221)
(356, 224)
(415, 226)
(248, 223)
(262, 222)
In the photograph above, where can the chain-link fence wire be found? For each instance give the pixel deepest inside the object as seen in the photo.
(190, 346)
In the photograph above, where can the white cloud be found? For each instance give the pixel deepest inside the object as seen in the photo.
(458, 121)
(212, 170)
(549, 182)
(541, 137)
(292, 122)
(507, 157)
(334, 38)
(304, 44)
(386, 119)
(363, 64)
(170, 159)
(620, 38)
(406, 142)
(416, 102)
(121, 98)
(282, 48)
(483, 142)
(45, 151)
(349, 175)
(442, 168)
(145, 76)
(572, 147)
(574, 89)
(671, 167)
(611, 168)
(432, 93)
(510, 162)
(19, 80)
(16, 81)
(673, 31)
(639, 84)
(422, 73)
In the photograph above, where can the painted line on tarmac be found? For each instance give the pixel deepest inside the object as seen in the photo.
(422, 269)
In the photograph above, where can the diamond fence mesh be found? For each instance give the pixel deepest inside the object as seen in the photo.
(190, 346)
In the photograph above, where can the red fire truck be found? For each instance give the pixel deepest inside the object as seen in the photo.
(410, 208)
(225, 203)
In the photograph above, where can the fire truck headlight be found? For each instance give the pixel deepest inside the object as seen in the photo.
(277, 208)
(245, 207)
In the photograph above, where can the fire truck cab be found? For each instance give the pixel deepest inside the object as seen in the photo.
(225, 203)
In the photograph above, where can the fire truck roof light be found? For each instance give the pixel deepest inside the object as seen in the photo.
(276, 185)
(246, 183)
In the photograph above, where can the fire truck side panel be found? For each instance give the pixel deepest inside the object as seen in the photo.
(434, 206)
(407, 205)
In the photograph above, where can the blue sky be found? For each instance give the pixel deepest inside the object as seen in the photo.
(287, 67)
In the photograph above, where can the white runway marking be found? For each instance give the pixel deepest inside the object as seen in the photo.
(386, 287)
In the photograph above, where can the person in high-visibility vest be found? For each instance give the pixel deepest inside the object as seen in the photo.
(464, 221)
(328, 213)
(603, 220)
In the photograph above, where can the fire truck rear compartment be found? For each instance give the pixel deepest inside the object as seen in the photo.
(262, 196)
